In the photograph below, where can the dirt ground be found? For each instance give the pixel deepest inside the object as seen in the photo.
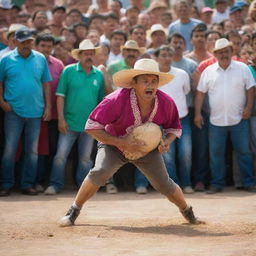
(128, 224)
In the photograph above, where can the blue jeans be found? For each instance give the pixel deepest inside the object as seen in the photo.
(65, 143)
(140, 179)
(183, 146)
(240, 140)
(13, 128)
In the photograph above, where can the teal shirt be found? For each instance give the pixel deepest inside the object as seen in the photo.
(253, 71)
(117, 66)
(22, 79)
(82, 94)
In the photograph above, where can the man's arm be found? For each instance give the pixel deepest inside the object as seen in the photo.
(47, 99)
(62, 125)
(124, 143)
(107, 80)
(199, 99)
(249, 104)
(166, 142)
(3, 104)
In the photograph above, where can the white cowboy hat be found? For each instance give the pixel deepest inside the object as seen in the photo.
(13, 28)
(124, 78)
(84, 46)
(221, 44)
(131, 44)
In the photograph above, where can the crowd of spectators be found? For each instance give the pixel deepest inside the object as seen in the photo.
(98, 38)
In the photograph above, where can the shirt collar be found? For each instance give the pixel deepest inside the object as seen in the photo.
(50, 59)
(231, 65)
(16, 53)
(80, 69)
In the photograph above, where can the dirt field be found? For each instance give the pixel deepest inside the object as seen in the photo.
(128, 224)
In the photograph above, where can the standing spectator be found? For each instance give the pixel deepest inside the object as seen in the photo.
(80, 89)
(235, 16)
(138, 34)
(11, 39)
(158, 36)
(73, 16)
(206, 15)
(96, 23)
(184, 24)
(132, 14)
(230, 87)
(94, 37)
(110, 24)
(5, 10)
(39, 21)
(58, 18)
(25, 98)
(221, 11)
(45, 43)
(155, 10)
(117, 39)
(211, 37)
(144, 20)
(101, 7)
(178, 88)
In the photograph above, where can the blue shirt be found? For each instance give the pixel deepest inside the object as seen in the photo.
(22, 79)
(185, 30)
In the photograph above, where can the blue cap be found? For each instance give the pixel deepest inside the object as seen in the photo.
(23, 34)
(241, 4)
(234, 8)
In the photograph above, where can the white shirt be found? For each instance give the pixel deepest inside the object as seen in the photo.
(218, 17)
(178, 88)
(227, 91)
(112, 57)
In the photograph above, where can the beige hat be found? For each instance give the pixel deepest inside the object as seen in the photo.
(131, 44)
(13, 28)
(84, 46)
(157, 4)
(221, 44)
(124, 78)
(157, 27)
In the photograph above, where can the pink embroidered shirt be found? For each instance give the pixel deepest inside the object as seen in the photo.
(119, 113)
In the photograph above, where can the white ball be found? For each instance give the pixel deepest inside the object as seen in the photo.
(150, 134)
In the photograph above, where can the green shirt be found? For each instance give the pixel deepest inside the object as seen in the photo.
(82, 93)
(117, 66)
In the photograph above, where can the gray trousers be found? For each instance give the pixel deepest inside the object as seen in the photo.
(109, 160)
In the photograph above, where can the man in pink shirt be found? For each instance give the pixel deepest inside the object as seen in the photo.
(49, 130)
(116, 116)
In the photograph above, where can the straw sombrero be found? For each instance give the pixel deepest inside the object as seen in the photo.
(221, 44)
(131, 44)
(124, 78)
(84, 46)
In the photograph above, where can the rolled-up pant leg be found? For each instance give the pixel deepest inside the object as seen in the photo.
(108, 161)
(153, 167)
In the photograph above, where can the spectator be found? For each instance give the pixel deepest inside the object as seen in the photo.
(96, 23)
(235, 16)
(157, 35)
(45, 44)
(184, 24)
(178, 88)
(166, 19)
(115, 7)
(138, 34)
(74, 16)
(144, 20)
(22, 111)
(39, 21)
(132, 14)
(211, 37)
(110, 24)
(74, 104)
(221, 11)
(125, 24)
(81, 30)
(224, 118)
(155, 11)
(58, 18)
(117, 39)
(94, 36)
(101, 7)
(206, 15)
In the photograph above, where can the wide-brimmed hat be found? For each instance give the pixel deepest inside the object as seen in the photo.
(124, 78)
(157, 4)
(84, 46)
(221, 44)
(131, 44)
(157, 27)
(13, 28)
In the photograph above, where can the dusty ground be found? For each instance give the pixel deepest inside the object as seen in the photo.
(127, 224)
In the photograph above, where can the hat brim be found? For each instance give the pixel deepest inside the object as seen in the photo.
(226, 46)
(25, 39)
(75, 52)
(124, 78)
(141, 49)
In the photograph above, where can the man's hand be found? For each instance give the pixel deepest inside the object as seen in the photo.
(199, 121)
(246, 113)
(47, 114)
(164, 146)
(6, 106)
(62, 126)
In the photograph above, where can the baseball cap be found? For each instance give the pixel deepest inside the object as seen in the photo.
(5, 4)
(207, 9)
(234, 8)
(23, 34)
